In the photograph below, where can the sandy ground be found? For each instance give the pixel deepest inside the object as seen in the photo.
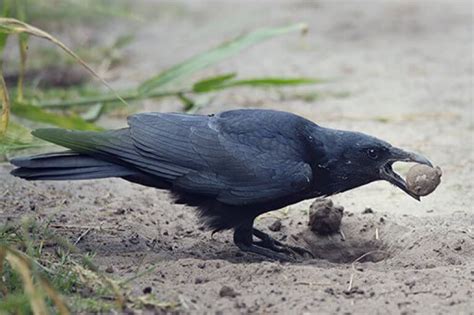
(399, 70)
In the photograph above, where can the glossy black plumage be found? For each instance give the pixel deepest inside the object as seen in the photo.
(232, 166)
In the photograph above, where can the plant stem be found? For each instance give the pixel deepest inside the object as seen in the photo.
(109, 99)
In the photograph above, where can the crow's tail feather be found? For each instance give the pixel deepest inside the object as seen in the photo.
(66, 165)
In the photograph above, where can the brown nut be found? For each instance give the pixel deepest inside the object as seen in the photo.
(422, 180)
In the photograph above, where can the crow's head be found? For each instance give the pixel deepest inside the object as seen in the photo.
(354, 159)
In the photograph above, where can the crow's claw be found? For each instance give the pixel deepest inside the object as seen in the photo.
(263, 251)
(269, 242)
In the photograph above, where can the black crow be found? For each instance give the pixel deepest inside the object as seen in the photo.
(232, 166)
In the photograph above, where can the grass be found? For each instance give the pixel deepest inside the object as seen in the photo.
(46, 110)
(43, 273)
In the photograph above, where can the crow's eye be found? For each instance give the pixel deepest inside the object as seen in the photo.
(373, 154)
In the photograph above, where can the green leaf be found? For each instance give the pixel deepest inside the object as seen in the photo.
(187, 102)
(18, 133)
(3, 41)
(215, 55)
(260, 82)
(208, 84)
(4, 36)
(93, 113)
(5, 105)
(38, 114)
(17, 137)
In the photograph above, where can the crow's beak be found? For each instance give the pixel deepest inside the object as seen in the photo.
(398, 155)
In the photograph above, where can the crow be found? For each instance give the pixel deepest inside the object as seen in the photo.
(232, 166)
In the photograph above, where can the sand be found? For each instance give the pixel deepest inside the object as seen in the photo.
(399, 70)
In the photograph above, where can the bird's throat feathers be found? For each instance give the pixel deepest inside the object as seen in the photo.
(339, 160)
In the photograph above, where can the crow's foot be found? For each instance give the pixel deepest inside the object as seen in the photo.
(266, 245)
(266, 241)
(262, 251)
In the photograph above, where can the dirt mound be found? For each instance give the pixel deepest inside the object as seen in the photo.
(402, 242)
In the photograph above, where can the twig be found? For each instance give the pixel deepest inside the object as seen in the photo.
(82, 236)
(304, 283)
(343, 236)
(377, 234)
(351, 280)
(80, 227)
(6, 192)
(354, 270)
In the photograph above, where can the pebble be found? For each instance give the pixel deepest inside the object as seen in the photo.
(226, 291)
(275, 226)
(422, 180)
(110, 269)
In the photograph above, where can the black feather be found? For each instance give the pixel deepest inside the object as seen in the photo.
(66, 166)
(232, 166)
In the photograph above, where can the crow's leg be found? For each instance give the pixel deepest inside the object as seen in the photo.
(243, 238)
(269, 242)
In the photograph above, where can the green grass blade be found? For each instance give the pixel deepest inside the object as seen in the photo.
(215, 55)
(16, 137)
(18, 133)
(23, 47)
(5, 12)
(260, 82)
(106, 98)
(17, 303)
(5, 105)
(93, 113)
(38, 114)
(14, 26)
(208, 84)
(188, 103)
(3, 42)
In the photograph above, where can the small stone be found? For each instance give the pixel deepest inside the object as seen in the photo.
(147, 290)
(120, 211)
(201, 265)
(110, 269)
(329, 291)
(422, 180)
(367, 211)
(275, 226)
(199, 280)
(410, 284)
(354, 290)
(226, 291)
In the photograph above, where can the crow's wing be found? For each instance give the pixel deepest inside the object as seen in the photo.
(239, 157)
(115, 146)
